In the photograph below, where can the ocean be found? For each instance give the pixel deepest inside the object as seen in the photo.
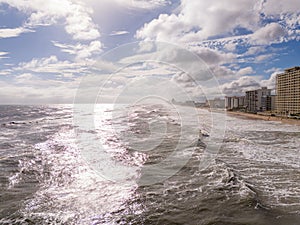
(142, 165)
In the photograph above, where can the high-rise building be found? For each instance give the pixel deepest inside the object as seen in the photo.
(241, 102)
(234, 102)
(228, 104)
(288, 91)
(273, 102)
(258, 100)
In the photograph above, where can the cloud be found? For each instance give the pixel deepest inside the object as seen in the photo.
(215, 60)
(34, 93)
(219, 30)
(230, 47)
(200, 63)
(121, 32)
(3, 55)
(51, 65)
(200, 27)
(105, 66)
(164, 28)
(246, 83)
(240, 86)
(212, 56)
(76, 16)
(255, 50)
(5, 72)
(272, 70)
(80, 25)
(32, 84)
(81, 51)
(13, 32)
(245, 71)
(43, 62)
(286, 13)
(222, 71)
(262, 58)
(143, 4)
(273, 7)
(199, 20)
(184, 79)
(30, 88)
(23, 77)
(271, 33)
(271, 82)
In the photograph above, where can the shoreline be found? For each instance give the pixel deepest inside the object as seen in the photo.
(244, 115)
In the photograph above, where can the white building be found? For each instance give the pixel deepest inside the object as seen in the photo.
(234, 102)
(258, 100)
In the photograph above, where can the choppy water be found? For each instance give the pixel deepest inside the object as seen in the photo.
(44, 178)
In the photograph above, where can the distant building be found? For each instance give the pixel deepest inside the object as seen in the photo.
(234, 102)
(242, 102)
(189, 103)
(273, 102)
(200, 104)
(216, 103)
(258, 100)
(288, 91)
(228, 102)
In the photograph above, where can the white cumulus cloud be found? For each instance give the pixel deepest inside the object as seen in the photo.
(77, 16)
(13, 32)
(240, 86)
(271, 33)
(273, 7)
(81, 51)
(245, 71)
(199, 20)
(50, 65)
(143, 4)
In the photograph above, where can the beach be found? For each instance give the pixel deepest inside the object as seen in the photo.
(262, 117)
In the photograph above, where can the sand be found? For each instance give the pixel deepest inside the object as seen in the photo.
(261, 117)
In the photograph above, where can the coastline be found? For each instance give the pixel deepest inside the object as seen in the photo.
(244, 115)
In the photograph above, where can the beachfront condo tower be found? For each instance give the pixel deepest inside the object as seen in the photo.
(288, 91)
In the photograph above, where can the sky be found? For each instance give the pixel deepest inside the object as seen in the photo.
(64, 51)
